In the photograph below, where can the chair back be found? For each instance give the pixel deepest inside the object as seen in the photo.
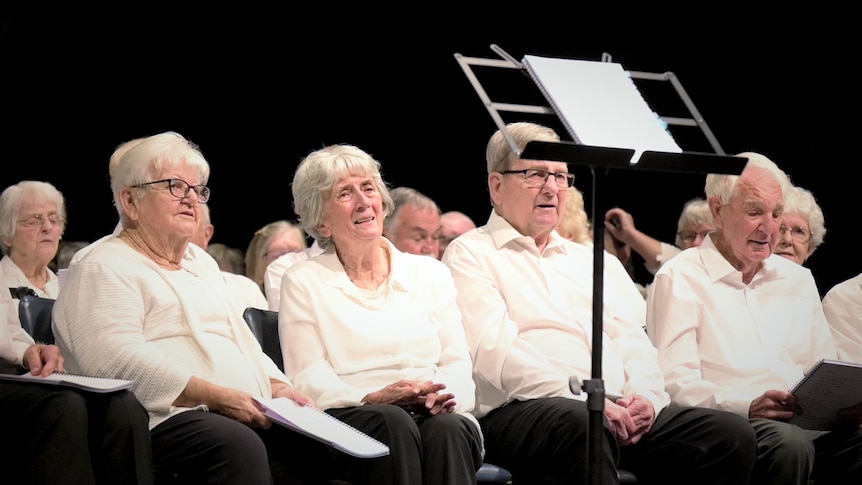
(35, 315)
(264, 326)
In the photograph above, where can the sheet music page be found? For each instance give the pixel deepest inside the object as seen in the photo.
(321, 426)
(827, 387)
(599, 104)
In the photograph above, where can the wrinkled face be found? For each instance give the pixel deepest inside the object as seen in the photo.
(750, 220)
(37, 233)
(694, 234)
(533, 211)
(163, 214)
(793, 239)
(416, 230)
(353, 212)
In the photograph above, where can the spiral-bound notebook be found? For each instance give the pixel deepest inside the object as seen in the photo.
(321, 426)
(830, 385)
(86, 383)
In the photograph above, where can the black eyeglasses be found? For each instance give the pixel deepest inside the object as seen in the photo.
(537, 178)
(689, 237)
(179, 188)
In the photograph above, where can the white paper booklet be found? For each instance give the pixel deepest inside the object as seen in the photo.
(86, 383)
(317, 424)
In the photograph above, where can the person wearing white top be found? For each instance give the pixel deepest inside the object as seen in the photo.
(525, 293)
(275, 271)
(52, 434)
(373, 334)
(736, 326)
(842, 305)
(149, 306)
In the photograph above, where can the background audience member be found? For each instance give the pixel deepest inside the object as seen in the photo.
(32, 221)
(276, 269)
(737, 326)
(452, 225)
(842, 305)
(268, 244)
(373, 334)
(414, 224)
(249, 294)
(53, 435)
(152, 308)
(695, 222)
(802, 226)
(526, 298)
(228, 258)
(575, 223)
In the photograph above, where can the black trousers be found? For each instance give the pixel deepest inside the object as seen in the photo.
(52, 435)
(423, 450)
(198, 447)
(544, 441)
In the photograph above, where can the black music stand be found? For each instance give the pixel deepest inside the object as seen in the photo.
(600, 160)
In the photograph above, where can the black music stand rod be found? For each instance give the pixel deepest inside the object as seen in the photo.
(600, 160)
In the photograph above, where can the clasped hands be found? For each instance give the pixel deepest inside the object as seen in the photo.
(630, 418)
(415, 396)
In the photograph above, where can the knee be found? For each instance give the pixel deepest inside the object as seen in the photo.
(789, 443)
(68, 408)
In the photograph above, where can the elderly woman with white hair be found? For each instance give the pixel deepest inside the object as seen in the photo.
(148, 306)
(53, 434)
(802, 226)
(374, 334)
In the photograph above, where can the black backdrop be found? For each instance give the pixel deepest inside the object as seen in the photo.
(258, 89)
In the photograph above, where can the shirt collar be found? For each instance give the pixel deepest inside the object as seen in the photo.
(503, 234)
(718, 267)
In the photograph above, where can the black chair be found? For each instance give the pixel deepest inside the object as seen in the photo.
(264, 325)
(35, 315)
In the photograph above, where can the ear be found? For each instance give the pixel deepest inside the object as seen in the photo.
(324, 229)
(129, 203)
(495, 187)
(715, 209)
(208, 232)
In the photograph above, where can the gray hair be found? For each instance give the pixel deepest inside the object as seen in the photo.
(802, 202)
(499, 154)
(14, 196)
(724, 186)
(150, 157)
(318, 173)
(694, 213)
(402, 196)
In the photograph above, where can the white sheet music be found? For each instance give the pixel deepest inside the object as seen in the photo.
(599, 104)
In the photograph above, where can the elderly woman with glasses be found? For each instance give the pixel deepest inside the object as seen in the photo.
(148, 306)
(373, 334)
(32, 220)
(51, 434)
(802, 226)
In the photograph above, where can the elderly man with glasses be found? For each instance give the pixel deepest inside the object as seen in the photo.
(525, 293)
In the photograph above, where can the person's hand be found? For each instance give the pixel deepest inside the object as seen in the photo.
(642, 414)
(620, 224)
(296, 395)
(240, 406)
(852, 415)
(774, 404)
(620, 421)
(417, 396)
(42, 359)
